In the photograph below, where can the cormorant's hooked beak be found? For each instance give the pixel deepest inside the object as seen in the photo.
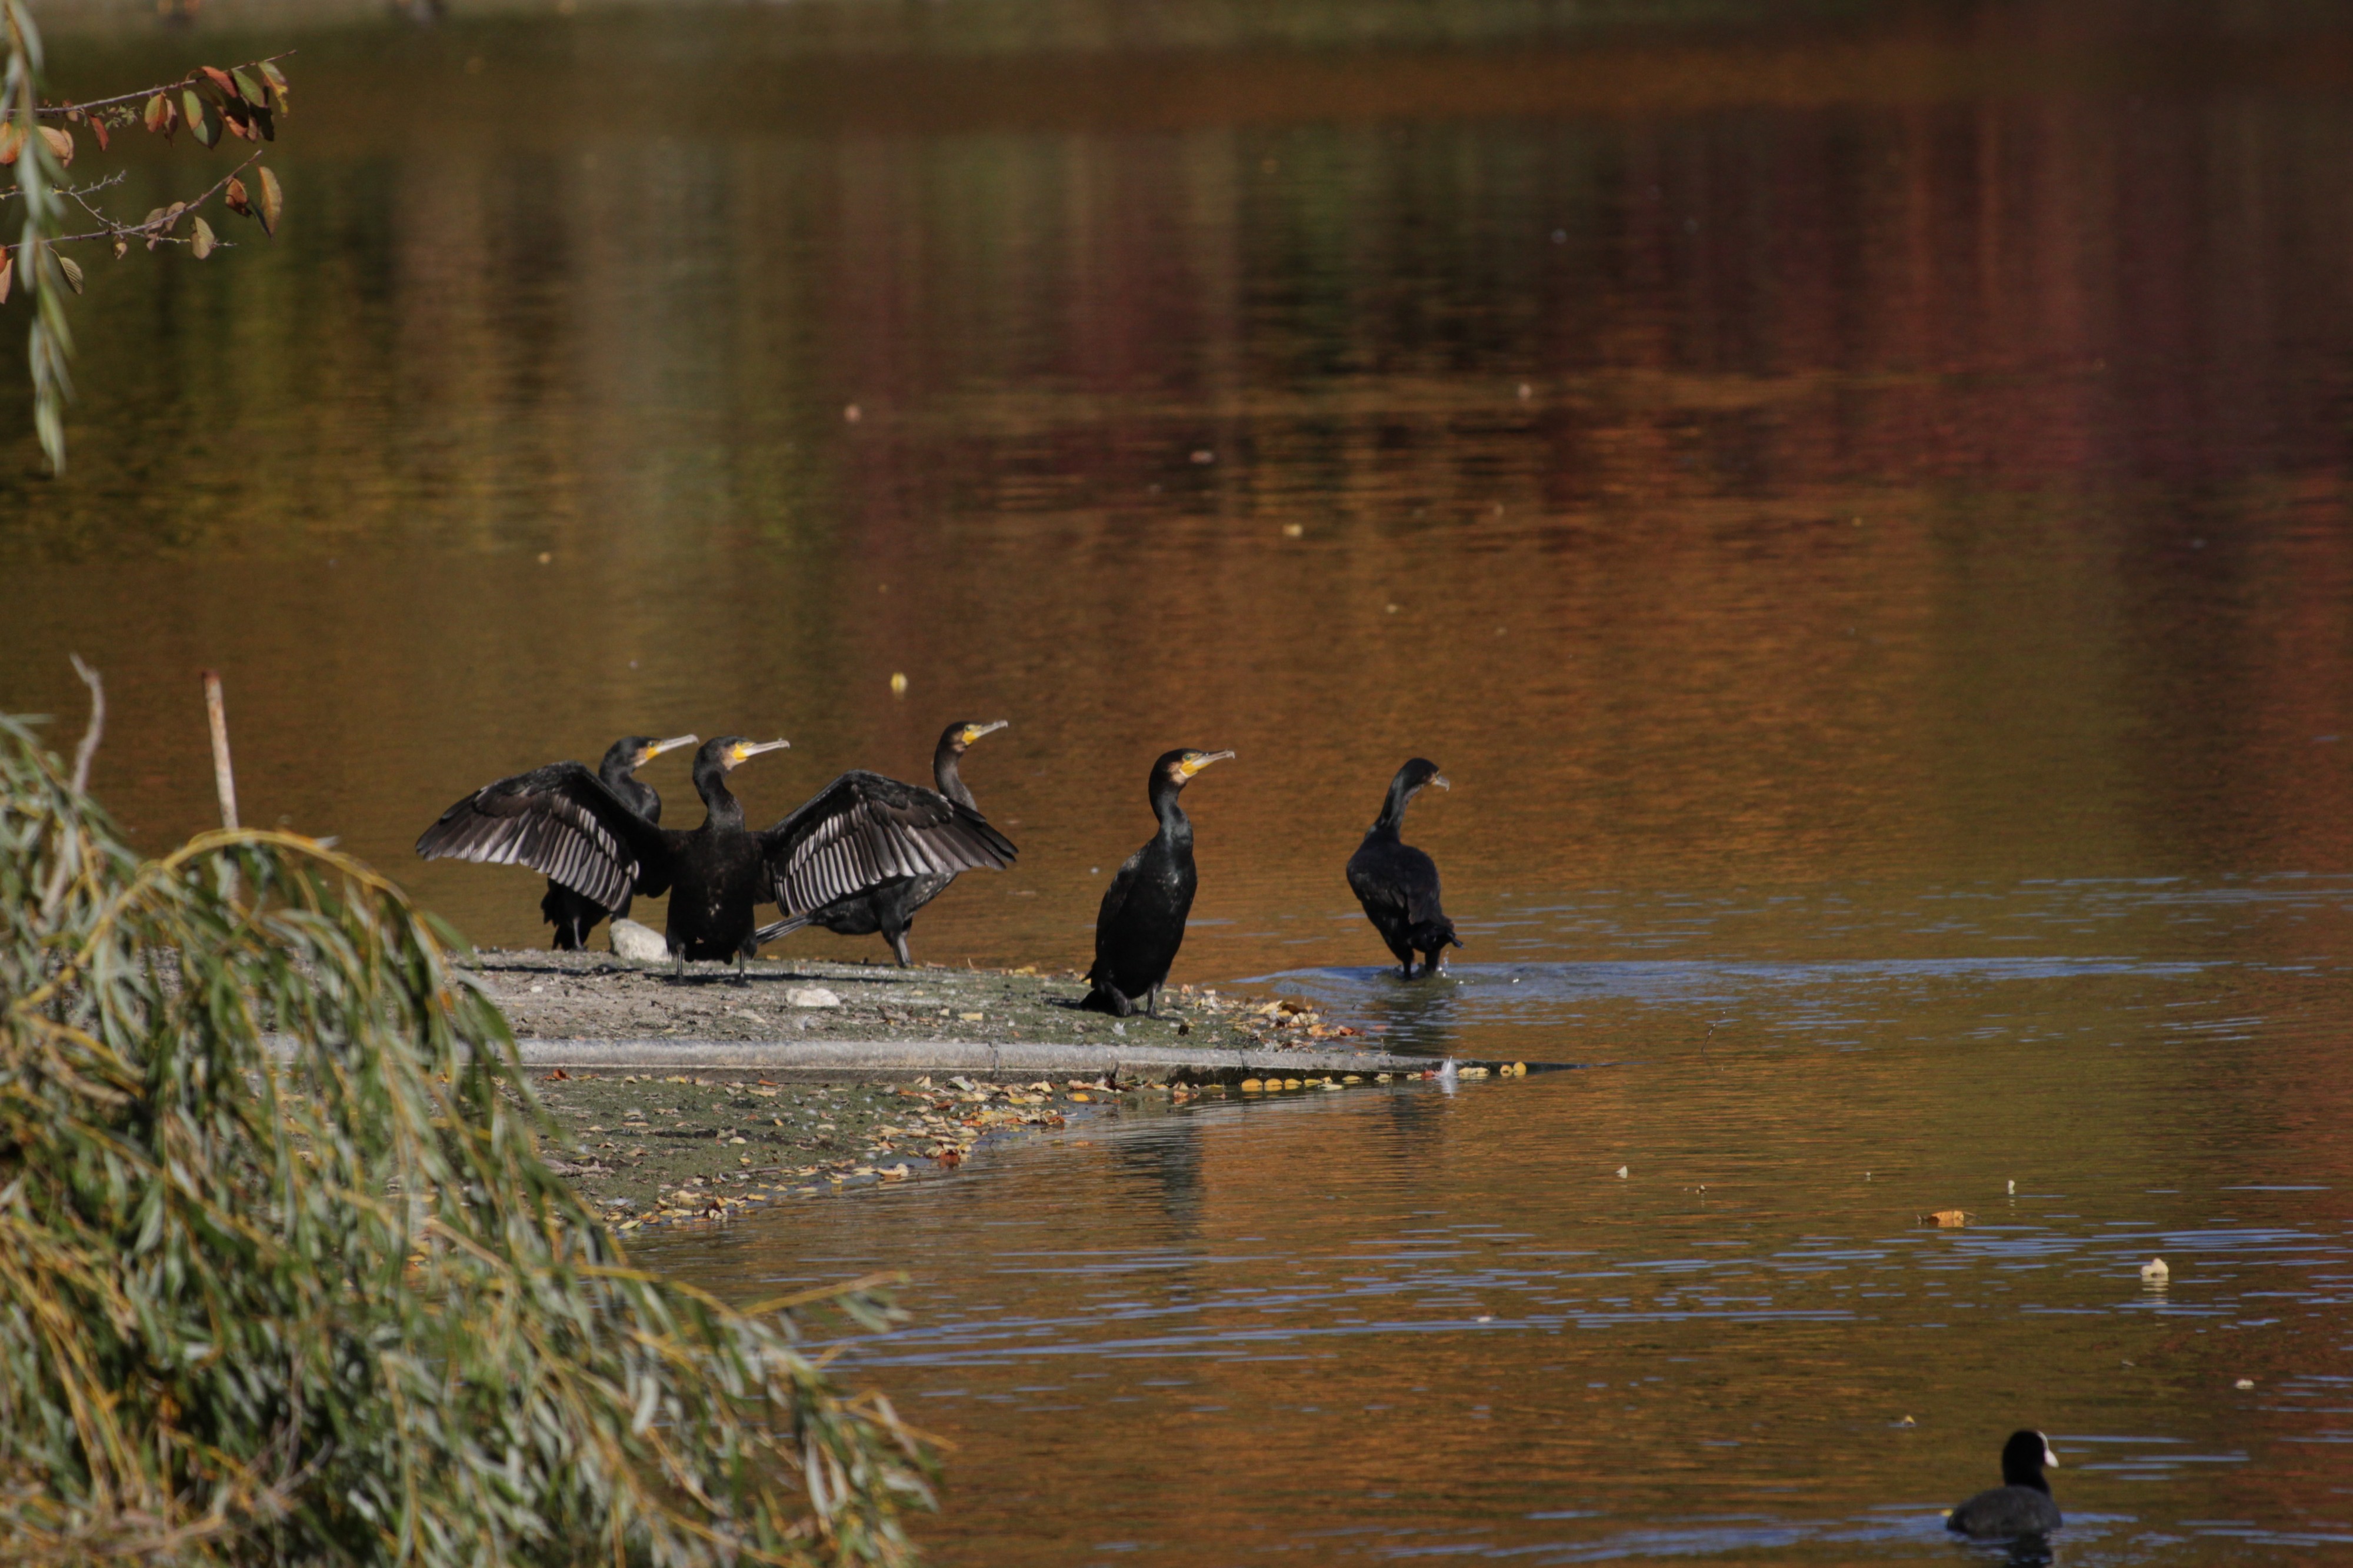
(1440, 779)
(745, 750)
(649, 752)
(1200, 760)
(975, 732)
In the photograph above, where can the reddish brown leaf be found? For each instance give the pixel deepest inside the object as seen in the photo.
(61, 140)
(12, 142)
(219, 78)
(97, 129)
(235, 197)
(7, 275)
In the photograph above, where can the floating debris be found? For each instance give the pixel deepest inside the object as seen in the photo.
(1946, 1218)
(2155, 1271)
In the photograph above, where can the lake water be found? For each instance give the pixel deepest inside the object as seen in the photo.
(1857, 506)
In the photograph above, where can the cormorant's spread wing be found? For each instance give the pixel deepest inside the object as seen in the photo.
(863, 828)
(559, 820)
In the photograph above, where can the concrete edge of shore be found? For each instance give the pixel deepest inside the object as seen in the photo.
(839, 1058)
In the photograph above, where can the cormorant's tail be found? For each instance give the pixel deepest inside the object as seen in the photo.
(775, 929)
(1432, 935)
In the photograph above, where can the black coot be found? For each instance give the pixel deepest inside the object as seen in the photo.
(2021, 1505)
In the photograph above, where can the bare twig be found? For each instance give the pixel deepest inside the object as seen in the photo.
(81, 194)
(78, 192)
(194, 79)
(70, 861)
(154, 228)
(90, 737)
(224, 778)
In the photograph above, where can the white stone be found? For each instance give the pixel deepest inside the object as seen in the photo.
(812, 996)
(641, 942)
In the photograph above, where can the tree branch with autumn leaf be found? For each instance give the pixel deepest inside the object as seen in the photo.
(37, 140)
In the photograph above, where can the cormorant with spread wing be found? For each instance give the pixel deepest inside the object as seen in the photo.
(889, 906)
(573, 915)
(1142, 922)
(1396, 883)
(574, 829)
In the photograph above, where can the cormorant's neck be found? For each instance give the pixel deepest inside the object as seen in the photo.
(1392, 817)
(1175, 827)
(2033, 1477)
(722, 809)
(951, 782)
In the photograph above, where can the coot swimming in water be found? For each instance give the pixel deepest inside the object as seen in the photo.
(2021, 1505)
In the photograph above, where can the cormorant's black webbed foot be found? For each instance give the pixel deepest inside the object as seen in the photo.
(1108, 998)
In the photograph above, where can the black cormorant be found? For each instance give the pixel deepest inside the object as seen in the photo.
(1396, 883)
(1142, 923)
(573, 828)
(890, 905)
(572, 916)
(2021, 1505)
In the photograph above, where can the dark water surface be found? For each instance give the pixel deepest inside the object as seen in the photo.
(1854, 497)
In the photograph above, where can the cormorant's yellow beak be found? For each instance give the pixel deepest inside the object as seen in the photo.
(648, 753)
(975, 732)
(1193, 762)
(743, 751)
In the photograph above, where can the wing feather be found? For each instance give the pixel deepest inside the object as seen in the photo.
(864, 829)
(562, 821)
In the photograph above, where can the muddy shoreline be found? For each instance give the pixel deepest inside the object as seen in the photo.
(701, 1143)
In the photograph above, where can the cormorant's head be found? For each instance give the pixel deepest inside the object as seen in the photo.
(1181, 766)
(964, 731)
(1419, 773)
(640, 750)
(728, 752)
(2023, 1459)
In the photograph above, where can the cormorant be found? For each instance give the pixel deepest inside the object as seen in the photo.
(2021, 1505)
(890, 905)
(572, 916)
(1142, 923)
(571, 827)
(1396, 883)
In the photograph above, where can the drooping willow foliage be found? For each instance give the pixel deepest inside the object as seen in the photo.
(282, 1277)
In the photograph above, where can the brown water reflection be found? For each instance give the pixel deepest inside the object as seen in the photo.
(1832, 493)
(1729, 484)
